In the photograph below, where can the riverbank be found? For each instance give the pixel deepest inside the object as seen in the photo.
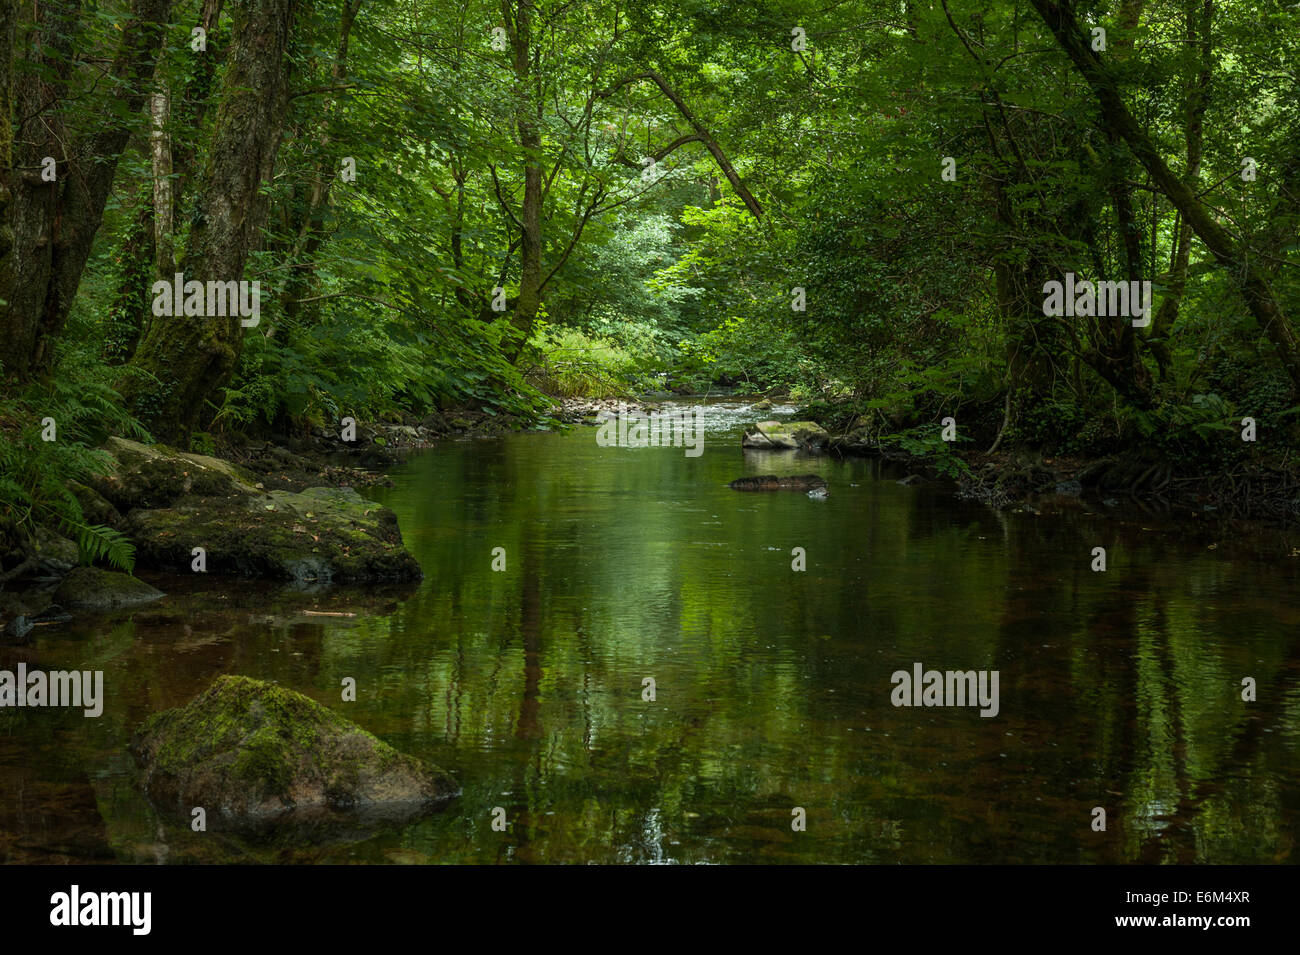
(1263, 492)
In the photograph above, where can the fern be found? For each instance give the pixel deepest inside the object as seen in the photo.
(37, 475)
(100, 542)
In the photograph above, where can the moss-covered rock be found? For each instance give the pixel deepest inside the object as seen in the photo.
(786, 435)
(56, 552)
(255, 752)
(151, 476)
(92, 588)
(322, 534)
(94, 506)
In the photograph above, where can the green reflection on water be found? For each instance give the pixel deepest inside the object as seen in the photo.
(1119, 690)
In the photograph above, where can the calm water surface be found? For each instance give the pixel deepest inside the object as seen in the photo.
(1119, 689)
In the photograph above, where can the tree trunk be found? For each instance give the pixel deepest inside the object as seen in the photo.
(528, 122)
(8, 25)
(161, 154)
(1198, 100)
(38, 94)
(55, 222)
(193, 357)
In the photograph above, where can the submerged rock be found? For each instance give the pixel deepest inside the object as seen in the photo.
(255, 753)
(18, 631)
(783, 482)
(92, 588)
(786, 435)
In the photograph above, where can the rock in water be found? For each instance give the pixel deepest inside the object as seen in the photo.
(17, 631)
(90, 588)
(774, 482)
(786, 435)
(819, 493)
(174, 502)
(322, 534)
(257, 753)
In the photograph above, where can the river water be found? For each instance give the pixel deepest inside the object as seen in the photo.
(1118, 690)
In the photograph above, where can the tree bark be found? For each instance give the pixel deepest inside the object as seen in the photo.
(1198, 101)
(8, 28)
(528, 122)
(161, 155)
(55, 222)
(38, 94)
(193, 357)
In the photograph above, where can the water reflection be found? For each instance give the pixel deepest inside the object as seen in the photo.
(1119, 689)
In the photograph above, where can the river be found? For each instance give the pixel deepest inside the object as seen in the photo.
(771, 736)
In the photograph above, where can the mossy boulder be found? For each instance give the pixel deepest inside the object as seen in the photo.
(150, 476)
(321, 534)
(56, 552)
(92, 588)
(174, 502)
(94, 506)
(257, 753)
(786, 435)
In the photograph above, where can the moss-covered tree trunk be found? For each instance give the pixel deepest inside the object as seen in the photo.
(8, 25)
(55, 222)
(192, 357)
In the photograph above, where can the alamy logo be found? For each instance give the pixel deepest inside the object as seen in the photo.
(84, 688)
(655, 429)
(1101, 299)
(176, 297)
(949, 688)
(75, 907)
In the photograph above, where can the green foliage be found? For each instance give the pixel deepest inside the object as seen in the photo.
(36, 475)
(926, 442)
(100, 542)
(573, 364)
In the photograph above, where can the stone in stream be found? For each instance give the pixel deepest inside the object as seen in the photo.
(18, 631)
(782, 482)
(175, 502)
(91, 588)
(786, 436)
(256, 755)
